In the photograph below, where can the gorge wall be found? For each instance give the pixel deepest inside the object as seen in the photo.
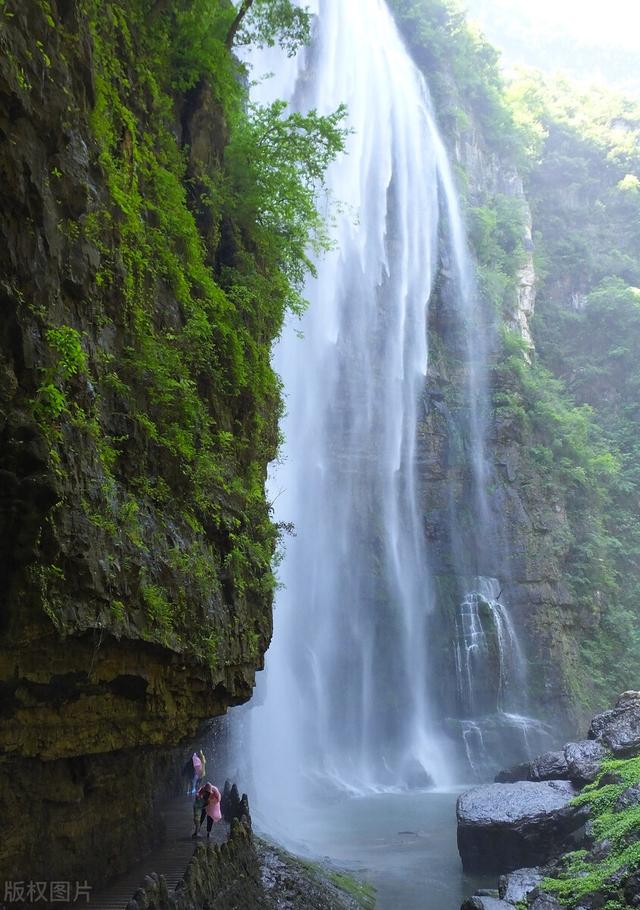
(533, 535)
(557, 262)
(138, 413)
(138, 409)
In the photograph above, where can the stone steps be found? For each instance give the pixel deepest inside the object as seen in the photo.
(169, 860)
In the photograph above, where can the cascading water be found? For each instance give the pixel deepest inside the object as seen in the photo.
(491, 684)
(346, 695)
(488, 658)
(347, 700)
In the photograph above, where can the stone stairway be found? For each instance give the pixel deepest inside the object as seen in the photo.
(169, 860)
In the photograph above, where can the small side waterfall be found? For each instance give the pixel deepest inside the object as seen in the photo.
(489, 662)
(491, 684)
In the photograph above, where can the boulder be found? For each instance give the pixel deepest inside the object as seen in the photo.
(549, 766)
(600, 850)
(502, 827)
(584, 760)
(516, 885)
(619, 728)
(632, 890)
(628, 798)
(478, 902)
(542, 901)
(512, 775)
(609, 777)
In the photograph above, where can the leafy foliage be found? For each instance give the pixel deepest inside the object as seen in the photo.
(202, 246)
(51, 399)
(587, 223)
(461, 68)
(496, 233)
(277, 164)
(268, 22)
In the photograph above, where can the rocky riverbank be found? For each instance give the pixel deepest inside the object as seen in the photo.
(564, 829)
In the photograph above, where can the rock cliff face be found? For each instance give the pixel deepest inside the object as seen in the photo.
(533, 533)
(128, 613)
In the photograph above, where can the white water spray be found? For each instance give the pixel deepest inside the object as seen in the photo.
(346, 700)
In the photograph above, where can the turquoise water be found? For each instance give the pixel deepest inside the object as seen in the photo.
(403, 844)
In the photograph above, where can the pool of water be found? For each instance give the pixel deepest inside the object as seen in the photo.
(403, 844)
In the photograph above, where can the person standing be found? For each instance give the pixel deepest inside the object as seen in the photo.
(211, 808)
(199, 806)
(199, 770)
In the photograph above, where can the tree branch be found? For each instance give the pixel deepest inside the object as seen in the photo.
(245, 6)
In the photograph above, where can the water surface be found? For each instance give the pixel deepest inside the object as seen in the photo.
(403, 844)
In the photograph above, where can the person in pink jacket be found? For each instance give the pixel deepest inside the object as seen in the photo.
(211, 808)
(199, 769)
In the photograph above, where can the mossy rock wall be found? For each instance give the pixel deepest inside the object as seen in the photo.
(138, 413)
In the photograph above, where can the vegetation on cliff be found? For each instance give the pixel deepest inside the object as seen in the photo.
(584, 190)
(614, 804)
(200, 231)
(568, 405)
(155, 229)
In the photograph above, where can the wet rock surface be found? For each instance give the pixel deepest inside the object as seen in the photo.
(95, 696)
(517, 885)
(242, 873)
(528, 818)
(550, 766)
(544, 902)
(630, 797)
(578, 762)
(619, 728)
(506, 826)
(478, 902)
(584, 760)
(289, 884)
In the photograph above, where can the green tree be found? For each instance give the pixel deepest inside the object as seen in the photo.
(265, 22)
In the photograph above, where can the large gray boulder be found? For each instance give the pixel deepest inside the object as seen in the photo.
(578, 762)
(627, 799)
(511, 775)
(548, 766)
(544, 901)
(632, 890)
(502, 827)
(619, 728)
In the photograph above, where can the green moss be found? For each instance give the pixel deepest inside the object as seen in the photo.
(159, 610)
(192, 282)
(362, 892)
(118, 610)
(580, 875)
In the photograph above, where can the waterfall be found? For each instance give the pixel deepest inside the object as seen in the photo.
(346, 702)
(491, 685)
(489, 661)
